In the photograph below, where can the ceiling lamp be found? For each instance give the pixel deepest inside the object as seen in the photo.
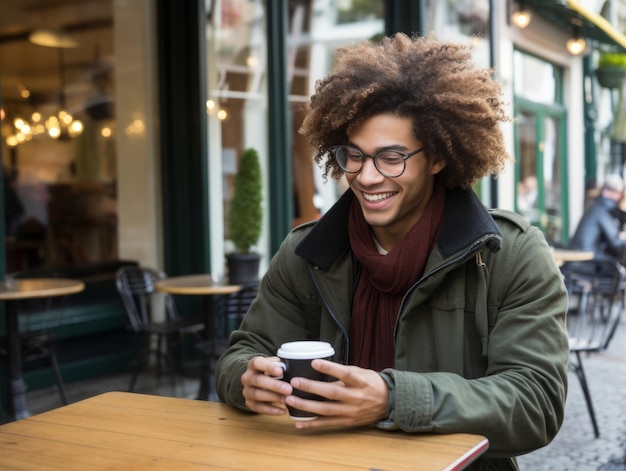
(52, 38)
(522, 16)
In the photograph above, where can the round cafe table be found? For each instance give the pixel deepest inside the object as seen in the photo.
(11, 292)
(202, 285)
(568, 255)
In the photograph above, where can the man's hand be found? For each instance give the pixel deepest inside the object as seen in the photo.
(359, 397)
(261, 388)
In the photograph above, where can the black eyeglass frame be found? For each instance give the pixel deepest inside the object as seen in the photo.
(405, 156)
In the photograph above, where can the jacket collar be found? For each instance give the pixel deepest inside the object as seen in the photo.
(466, 220)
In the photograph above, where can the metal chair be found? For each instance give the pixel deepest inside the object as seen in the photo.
(596, 291)
(236, 307)
(40, 345)
(136, 286)
(229, 314)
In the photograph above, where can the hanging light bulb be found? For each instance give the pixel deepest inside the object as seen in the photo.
(522, 16)
(75, 128)
(576, 45)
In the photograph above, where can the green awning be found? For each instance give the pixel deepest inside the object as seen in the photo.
(568, 13)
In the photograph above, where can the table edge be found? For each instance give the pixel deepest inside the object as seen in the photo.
(470, 456)
(77, 287)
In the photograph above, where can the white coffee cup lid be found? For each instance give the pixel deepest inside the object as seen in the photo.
(304, 349)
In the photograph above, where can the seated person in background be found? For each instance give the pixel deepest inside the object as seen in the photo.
(445, 317)
(600, 229)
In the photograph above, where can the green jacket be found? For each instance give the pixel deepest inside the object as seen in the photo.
(481, 343)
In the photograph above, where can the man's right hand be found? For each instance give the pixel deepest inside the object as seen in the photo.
(263, 391)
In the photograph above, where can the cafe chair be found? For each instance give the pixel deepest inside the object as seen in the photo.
(237, 305)
(596, 303)
(136, 286)
(230, 311)
(39, 346)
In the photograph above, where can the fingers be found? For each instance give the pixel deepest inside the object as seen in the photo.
(359, 397)
(263, 392)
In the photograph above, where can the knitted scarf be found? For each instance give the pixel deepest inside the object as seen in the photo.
(384, 280)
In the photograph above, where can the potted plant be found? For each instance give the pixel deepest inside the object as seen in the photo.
(611, 70)
(245, 217)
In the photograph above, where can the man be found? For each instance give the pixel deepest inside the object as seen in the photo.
(445, 317)
(599, 230)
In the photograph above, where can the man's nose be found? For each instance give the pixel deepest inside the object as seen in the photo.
(369, 172)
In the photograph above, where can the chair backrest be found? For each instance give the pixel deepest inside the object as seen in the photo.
(237, 305)
(136, 286)
(596, 291)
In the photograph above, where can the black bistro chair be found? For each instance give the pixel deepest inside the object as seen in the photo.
(596, 293)
(39, 346)
(136, 286)
(229, 313)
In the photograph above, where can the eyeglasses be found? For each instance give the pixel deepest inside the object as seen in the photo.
(390, 163)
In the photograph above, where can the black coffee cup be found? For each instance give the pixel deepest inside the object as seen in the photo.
(296, 360)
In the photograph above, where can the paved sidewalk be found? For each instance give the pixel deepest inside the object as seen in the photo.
(575, 448)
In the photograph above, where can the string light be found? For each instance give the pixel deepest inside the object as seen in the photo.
(522, 16)
(576, 46)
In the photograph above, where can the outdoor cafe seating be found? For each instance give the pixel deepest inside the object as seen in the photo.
(136, 286)
(596, 302)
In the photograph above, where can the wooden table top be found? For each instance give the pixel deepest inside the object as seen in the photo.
(134, 431)
(194, 284)
(568, 255)
(26, 288)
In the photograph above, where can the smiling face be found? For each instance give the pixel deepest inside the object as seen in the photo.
(391, 206)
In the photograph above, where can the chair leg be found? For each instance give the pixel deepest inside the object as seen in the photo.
(173, 349)
(159, 358)
(57, 373)
(133, 379)
(142, 359)
(580, 372)
(172, 366)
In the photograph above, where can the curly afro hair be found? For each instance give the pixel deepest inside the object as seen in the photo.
(455, 107)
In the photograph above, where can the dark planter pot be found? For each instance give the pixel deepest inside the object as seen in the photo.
(243, 268)
(611, 77)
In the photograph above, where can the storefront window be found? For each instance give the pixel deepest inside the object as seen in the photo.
(462, 21)
(540, 130)
(535, 78)
(237, 106)
(58, 133)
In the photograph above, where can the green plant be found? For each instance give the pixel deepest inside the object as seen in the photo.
(245, 214)
(612, 59)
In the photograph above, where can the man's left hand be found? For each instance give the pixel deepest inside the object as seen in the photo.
(358, 397)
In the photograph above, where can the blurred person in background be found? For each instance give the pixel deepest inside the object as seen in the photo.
(600, 229)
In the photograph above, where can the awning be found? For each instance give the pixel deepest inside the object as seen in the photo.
(567, 13)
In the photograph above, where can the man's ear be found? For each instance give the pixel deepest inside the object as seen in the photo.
(437, 166)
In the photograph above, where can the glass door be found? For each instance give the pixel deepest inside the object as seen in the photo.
(540, 146)
(540, 162)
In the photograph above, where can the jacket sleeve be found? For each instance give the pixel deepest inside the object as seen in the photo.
(519, 403)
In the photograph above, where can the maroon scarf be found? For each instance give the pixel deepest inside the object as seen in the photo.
(384, 280)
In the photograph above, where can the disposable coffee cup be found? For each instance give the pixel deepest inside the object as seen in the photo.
(295, 360)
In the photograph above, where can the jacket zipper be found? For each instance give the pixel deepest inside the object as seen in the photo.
(343, 329)
(475, 246)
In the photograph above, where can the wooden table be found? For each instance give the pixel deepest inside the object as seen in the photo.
(12, 291)
(119, 430)
(567, 255)
(202, 285)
